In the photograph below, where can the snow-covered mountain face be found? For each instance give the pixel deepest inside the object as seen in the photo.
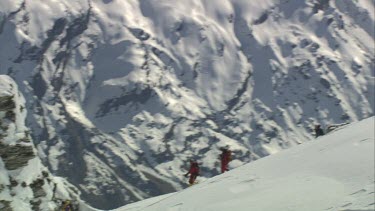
(121, 93)
(25, 184)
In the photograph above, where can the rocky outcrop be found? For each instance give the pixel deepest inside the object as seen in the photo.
(7, 103)
(5, 205)
(16, 156)
(25, 184)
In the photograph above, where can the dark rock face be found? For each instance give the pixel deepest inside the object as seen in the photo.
(261, 19)
(15, 156)
(36, 186)
(140, 34)
(35, 204)
(7, 103)
(5, 206)
(320, 5)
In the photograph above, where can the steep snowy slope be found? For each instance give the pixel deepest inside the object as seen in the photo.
(334, 172)
(121, 93)
(25, 184)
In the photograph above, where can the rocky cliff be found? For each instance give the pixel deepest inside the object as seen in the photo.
(25, 184)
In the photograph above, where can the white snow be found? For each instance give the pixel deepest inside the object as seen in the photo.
(77, 113)
(333, 172)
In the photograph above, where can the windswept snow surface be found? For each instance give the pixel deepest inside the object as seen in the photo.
(334, 172)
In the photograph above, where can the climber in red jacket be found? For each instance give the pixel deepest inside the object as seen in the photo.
(225, 158)
(193, 171)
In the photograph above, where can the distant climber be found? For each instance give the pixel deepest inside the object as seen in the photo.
(225, 158)
(193, 171)
(66, 206)
(318, 131)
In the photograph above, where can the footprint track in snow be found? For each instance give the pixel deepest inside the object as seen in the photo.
(248, 181)
(358, 192)
(346, 205)
(176, 207)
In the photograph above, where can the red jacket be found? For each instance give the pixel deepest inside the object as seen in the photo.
(226, 156)
(194, 168)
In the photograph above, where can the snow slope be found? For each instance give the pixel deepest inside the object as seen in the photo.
(121, 93)
(333, 172)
